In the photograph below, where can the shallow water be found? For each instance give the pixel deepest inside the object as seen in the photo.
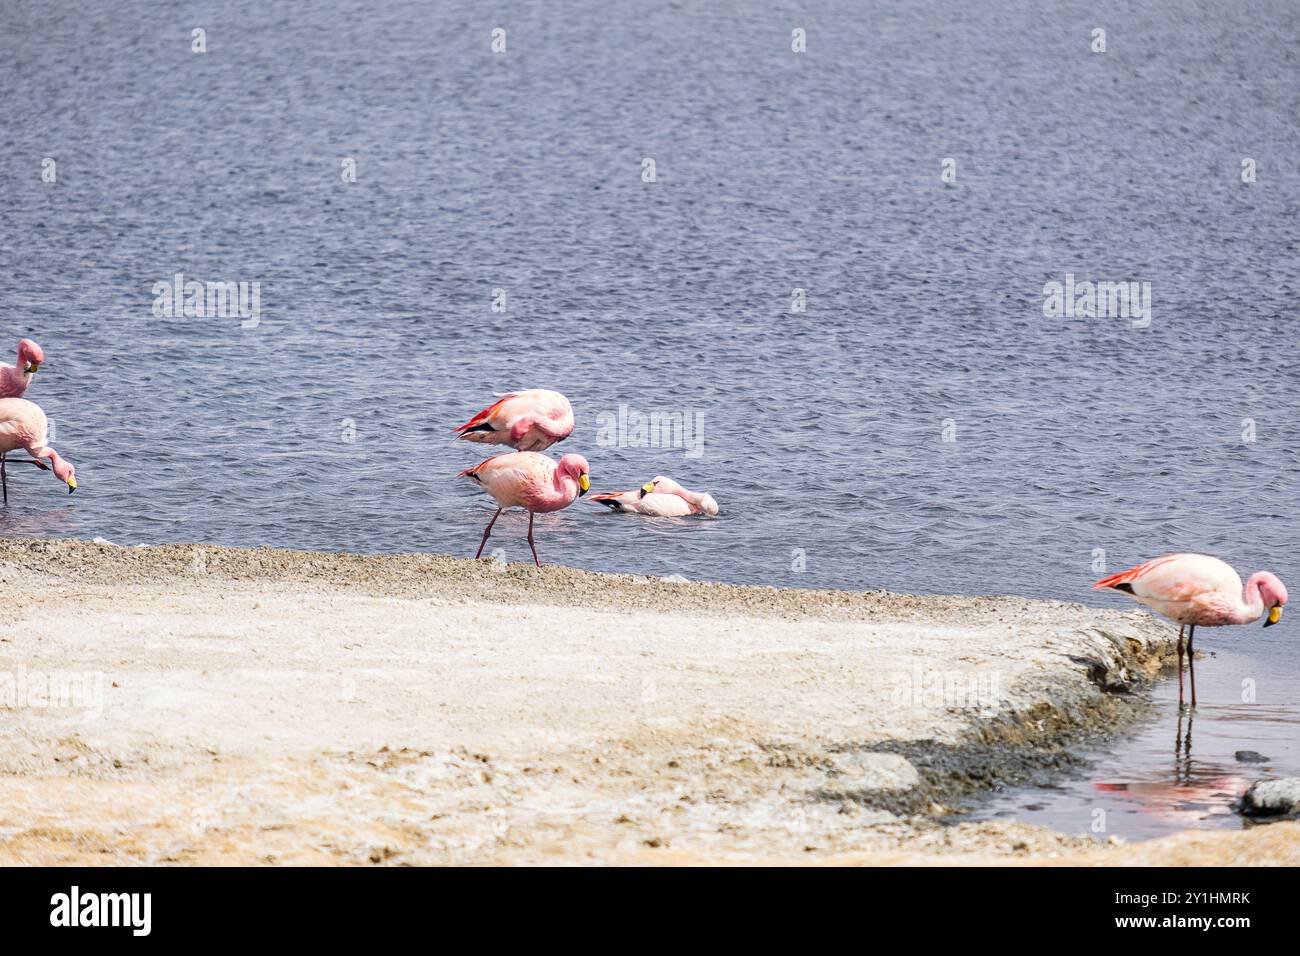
(1176, 772)
(823, 435)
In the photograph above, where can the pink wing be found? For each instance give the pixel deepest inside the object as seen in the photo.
(1132, 574)
(1177, 577)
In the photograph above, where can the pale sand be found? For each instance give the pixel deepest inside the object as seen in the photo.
(286, 707)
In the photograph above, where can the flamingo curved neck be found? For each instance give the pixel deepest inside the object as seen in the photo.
(566, 486)
(1252, 603)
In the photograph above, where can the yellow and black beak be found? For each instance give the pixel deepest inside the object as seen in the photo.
(32, 367)
(648, 487)
(1274, 615)
(72, 485)
(584, 485)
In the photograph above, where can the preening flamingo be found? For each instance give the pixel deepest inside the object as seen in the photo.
(530, 481)
(23, 425)
(14, 379)
(529, 421)
(1196, 590)
(699, 502)
(644, 502)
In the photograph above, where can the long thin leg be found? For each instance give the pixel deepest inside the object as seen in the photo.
(1180, 669)
(4, 479)
(530, 540)
(487, 531)
(1191, 661)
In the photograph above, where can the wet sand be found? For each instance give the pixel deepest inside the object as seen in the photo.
(195, 704)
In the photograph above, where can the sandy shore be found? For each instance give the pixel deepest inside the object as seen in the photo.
(193, 704)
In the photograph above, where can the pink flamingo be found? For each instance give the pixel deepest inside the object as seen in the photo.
(640, 503)
(1197, 590)
(23, 425)
(529, 421)
(14, 379)
(530, 481)
(644, 501)
(699, 503)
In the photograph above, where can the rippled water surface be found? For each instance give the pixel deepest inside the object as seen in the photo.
(823, 431)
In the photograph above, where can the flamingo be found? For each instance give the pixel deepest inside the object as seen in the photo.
(23, 425)
(698, 502)
(1197, 590)
(14, 379)
(534, 482)
(645, 502)
(528, 421)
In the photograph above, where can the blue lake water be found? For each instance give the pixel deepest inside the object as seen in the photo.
(1075, 441)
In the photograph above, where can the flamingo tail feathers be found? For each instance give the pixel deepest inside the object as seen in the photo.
(479, 423)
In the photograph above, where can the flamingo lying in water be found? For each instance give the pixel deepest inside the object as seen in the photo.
(641, 502)
(700, 503)
(661, 498)
(1197, 590)
(529, 421)
(530, 481)
(14, 379)
(23, 425)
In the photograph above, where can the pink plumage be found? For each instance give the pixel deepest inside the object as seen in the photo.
(14, 379)
(536, 483)
(1197, 590)
(649, 502)
(700, 503)
(532, 420)
(640, 503)
(23, 425)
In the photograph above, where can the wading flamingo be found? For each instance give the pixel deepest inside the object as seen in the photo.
(530, 481)
(699, 502)
(14, 379)
(23, 425)
(529, 421)
(1197, 590)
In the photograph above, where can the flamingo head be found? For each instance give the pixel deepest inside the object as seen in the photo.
(661, 486)
(576, 467)
(1273, 593)
(64, 471)
(30, 356)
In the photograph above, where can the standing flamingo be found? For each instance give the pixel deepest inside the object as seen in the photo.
(530, 481)
(529, 421)
(699, 502)
(14, 379)
(23, 425)
(1196, 589)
